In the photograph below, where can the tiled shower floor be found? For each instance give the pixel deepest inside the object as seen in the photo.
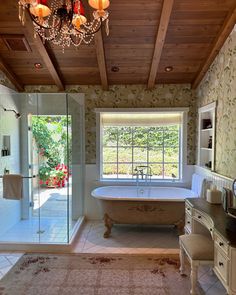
(52, 230)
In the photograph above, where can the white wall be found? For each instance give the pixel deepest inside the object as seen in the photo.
(10, 210)
(216, 179)
(91, 205)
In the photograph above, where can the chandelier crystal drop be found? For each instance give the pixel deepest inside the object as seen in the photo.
(63, 22)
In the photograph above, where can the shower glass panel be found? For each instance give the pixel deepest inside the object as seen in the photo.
(76, 159)
(49, 128)
(47, 146)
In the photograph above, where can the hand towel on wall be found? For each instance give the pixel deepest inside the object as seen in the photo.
(12, 186)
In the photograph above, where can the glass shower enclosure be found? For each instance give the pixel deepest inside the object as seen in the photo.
(44, 144)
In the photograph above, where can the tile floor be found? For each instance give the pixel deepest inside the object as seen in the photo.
(129, 240)
(138, 240)
(7, 260)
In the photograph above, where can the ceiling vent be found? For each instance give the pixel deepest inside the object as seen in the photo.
(16, 42)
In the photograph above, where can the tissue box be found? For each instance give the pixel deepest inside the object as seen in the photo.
(213, 196)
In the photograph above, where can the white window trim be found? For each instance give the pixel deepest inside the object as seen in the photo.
(183, 136)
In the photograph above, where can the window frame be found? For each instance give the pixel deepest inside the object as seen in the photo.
(182, 139)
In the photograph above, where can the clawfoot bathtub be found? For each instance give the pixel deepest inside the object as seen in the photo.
(145, 205)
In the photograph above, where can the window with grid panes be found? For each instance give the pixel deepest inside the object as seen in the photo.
(128, 140)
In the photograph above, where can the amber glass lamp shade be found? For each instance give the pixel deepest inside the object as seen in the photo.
(41, 9)
(79, 20)
(99, 4)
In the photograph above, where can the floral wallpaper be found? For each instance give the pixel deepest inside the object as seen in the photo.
(5, 81)
(130, 96)
(219, 84)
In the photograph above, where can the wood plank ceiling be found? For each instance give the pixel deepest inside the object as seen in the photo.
(145, 38)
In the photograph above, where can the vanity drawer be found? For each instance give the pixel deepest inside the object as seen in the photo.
(221, 265)
(203, 219)
(221, 243)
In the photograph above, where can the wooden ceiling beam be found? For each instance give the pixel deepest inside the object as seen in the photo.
(160, 40)
(99, 46)
(48, 62)
(219, 42)
(10, 75)
(101, 59)
(28, 30)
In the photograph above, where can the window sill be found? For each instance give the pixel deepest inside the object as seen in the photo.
(134, 183)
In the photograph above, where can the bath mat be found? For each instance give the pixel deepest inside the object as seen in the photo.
(89, 274)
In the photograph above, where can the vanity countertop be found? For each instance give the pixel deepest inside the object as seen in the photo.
(223, 223)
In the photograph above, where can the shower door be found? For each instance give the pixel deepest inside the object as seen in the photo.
(76, 161)
(57, 136)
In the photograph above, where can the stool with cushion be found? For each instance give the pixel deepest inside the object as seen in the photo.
(200, 250)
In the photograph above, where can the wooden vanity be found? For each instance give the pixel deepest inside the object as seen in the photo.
(211, 219)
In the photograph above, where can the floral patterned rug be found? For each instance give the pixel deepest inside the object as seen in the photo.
(89, 274)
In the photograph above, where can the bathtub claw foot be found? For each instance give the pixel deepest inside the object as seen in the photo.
(108, 224)
(107, 234)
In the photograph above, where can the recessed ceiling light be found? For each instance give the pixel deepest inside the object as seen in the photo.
(115, 69)
(38, 65)
(169, 69)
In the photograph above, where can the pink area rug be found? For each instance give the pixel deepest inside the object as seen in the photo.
(89, 274)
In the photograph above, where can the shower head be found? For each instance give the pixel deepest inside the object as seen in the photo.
(17, 115)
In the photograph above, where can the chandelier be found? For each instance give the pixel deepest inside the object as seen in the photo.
(64, 23)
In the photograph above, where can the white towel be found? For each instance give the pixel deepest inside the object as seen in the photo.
(12, 186)
(198, 185)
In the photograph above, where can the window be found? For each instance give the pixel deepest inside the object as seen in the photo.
(131, 139)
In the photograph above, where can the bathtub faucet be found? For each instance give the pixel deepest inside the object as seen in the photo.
(144, 171)
(139, 172)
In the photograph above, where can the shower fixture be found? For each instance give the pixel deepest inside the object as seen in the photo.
(17, 115)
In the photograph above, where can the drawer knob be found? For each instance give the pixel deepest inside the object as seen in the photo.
(221, 263)
(221, 244)
(199, 216)
(188, 222)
